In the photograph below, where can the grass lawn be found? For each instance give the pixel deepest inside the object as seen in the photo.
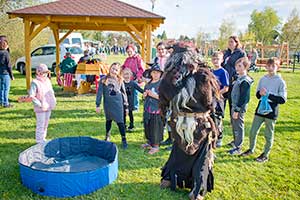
(139, 173)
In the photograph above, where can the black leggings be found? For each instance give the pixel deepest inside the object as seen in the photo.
(120, 125)
(131, 119)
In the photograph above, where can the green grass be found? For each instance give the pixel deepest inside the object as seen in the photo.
(139, 173)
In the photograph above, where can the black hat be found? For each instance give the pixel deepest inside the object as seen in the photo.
(153, 67)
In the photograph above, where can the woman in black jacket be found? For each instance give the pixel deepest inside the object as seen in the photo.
(231, 55)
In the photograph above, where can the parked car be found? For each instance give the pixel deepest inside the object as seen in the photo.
(47, 54)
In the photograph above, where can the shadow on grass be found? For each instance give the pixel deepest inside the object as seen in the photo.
(287, 126)
(224, 157)
(56, 114)
(143, 190)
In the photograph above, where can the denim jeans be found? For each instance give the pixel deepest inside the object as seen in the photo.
(4, 89)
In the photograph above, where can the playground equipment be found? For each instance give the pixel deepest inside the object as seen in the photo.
(67, 167)
(281, 51)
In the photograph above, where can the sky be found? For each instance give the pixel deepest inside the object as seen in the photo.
(187, 17)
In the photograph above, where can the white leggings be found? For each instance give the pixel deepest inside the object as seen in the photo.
(42, 120)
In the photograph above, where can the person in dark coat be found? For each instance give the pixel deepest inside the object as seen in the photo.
(231, 55)
(6, 74)
(189, 90)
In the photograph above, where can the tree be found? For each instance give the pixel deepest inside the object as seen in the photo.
(264, 24)
(226, 29)
(291, 30)
(201, 38)
(164, 36)
(14, 30)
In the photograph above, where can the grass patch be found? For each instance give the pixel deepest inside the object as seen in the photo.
(139, 173)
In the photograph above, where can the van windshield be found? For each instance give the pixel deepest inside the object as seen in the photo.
(76, 41)
(66, 41)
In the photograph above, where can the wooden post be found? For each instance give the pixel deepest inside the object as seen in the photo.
(143, 53)
(27, 39)
(148, 43)
(56, 38)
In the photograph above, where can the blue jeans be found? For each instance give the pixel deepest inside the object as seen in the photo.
(4, 89)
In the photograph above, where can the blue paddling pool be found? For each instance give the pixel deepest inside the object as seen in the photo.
(67, 167)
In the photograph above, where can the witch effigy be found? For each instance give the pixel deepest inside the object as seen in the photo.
(187, 93)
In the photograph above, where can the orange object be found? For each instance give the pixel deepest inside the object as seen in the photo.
(97, 68)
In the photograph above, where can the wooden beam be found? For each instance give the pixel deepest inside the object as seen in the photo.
(143, 51)
(27, 39)
(56, 37)
(148, 43)
(32, 26)
(93, 27)
(38, 29)
(65, 36)
(134, 29)
(135, 37)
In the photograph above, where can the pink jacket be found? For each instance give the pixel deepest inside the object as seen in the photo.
(45, 95)
(135, 64)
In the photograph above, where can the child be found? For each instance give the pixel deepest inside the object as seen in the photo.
(130, 87)
(112, 89)
(223, 79)
(153, 124)
(272, 86)
(42, 95)
(240, 96)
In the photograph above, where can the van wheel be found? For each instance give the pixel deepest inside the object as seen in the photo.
(22, 68)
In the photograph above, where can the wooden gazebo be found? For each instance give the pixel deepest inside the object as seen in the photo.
(102, 15)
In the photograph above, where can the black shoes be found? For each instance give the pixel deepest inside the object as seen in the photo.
(234, 151)
(231, 144)
(8, 106)
(246, 153)
(262, 158)
(124, 144)
(130, 129)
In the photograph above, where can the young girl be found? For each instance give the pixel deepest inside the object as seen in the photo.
(130, 87)
(153, 124)
(162, 55)
(42, 95)
(112, 89)
(240, 96)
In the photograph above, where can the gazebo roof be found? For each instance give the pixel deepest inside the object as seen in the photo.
(85, 14)
(98, 8)
(100, 15)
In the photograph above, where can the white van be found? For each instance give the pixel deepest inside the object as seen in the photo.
(74, 39)
(47, 54)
